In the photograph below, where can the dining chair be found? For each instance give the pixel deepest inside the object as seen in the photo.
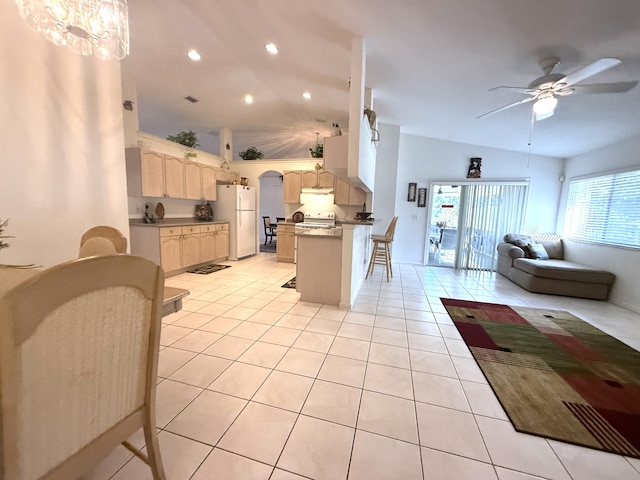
(448, 241)
(280, 219)
(269, 230)
(102, 240)
(381, 251)
(78, 366)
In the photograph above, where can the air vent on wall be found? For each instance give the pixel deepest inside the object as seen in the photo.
(191, 99)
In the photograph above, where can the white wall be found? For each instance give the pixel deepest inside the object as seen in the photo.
(61, 132)
(621, 261)
(384, 191)
(423, 160)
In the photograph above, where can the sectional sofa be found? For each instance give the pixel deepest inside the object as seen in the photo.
(537, 264)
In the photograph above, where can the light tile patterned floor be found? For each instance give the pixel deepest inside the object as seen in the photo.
(255, 384)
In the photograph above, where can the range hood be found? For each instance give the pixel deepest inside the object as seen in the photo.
(318, 190)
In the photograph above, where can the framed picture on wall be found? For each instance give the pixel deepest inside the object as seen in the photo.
(411, 194)
(422, 197)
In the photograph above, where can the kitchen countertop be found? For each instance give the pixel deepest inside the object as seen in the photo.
(320, 232)
(355, 222)
(172, 222)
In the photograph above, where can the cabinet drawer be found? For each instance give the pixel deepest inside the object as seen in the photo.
(207, 228)
(169, 231)
(286, 228)
(222, 227)
(190, 229)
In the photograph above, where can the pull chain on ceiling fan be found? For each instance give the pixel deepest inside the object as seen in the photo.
(546, 89)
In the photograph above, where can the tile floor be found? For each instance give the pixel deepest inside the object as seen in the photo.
(255, 384)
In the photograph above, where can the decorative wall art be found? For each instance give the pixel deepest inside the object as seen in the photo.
(411, 194)
(422, 197)
(475, 163)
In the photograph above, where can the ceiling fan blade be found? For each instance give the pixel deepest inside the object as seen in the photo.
(587, 71)
(619, 87)
(525, 90)
(524, 100)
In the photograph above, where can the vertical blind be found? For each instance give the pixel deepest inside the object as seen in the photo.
(487, 213)
(604, 209)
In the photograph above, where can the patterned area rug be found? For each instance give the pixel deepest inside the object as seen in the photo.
(290, 284)
(207, 269)
(556, 375)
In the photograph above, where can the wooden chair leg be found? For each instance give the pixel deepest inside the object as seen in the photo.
(153, 452)
(371, 261)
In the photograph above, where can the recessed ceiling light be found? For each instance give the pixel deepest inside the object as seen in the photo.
(193, 55)
(271, 48)
(306, 96)
(248, 99)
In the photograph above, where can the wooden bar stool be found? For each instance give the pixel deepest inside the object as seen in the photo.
(381, 252)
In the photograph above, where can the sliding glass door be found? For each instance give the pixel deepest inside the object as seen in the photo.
(484, 213)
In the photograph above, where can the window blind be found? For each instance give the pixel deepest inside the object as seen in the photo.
(605, 209)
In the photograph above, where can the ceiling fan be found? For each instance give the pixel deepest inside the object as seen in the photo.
(546, 89)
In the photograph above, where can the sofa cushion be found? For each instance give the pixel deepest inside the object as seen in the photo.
(518, 240)
(563, 270)
(553, 245)
(537, 251)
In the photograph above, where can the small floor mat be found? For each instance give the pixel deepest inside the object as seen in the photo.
(207, 269)
(290, 284)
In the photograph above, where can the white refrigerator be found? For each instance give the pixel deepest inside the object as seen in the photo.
(237, 205)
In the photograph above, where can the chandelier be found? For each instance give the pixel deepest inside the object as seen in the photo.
(88, 27)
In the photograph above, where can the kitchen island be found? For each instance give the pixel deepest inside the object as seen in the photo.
(319, 265)
(331, 263)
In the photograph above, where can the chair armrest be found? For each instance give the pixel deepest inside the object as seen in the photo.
(510, 250)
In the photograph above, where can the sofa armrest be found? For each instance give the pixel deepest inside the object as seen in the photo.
(510, 250)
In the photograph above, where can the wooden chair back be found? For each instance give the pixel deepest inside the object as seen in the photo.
(102, 240)
(78, 365)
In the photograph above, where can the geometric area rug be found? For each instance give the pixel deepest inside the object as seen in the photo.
(555, 375)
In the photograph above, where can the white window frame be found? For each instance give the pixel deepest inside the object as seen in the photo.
(592, 203)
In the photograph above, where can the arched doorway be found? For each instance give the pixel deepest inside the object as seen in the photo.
(270, 203)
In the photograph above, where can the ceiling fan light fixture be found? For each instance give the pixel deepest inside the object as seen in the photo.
(545, 104)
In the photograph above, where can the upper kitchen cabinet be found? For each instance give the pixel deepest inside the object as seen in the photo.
(209, 182)
(291, 186)
(317, 178)
(145, 172)
(193, 180)
(153, 174)
(174, 173)
(345, 194)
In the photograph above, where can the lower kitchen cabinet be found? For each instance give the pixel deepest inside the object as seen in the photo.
(222, 240)
(178, 248)
(286, 243)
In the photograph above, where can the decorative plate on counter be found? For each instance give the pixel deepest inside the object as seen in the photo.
(298, 217)
(160, 210)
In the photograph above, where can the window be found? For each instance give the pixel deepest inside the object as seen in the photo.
(605, 209)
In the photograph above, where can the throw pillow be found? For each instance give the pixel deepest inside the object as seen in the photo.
(537, 251)
(518, 240)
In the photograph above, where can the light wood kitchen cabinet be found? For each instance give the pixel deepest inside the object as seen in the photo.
(207, 243)
(174, 176)
(291, 186)
(345, 194)
(209, 183)
(193, 180)
(145, 172)
(178, 248)
(320, 178)
(222, 240)
(170, 248)
(191, 245)
(285, 246)
(153, 174)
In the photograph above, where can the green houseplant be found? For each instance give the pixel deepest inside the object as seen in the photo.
(317, 151)
(188, 139)
(251, 153)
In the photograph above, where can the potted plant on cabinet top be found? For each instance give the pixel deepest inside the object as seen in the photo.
(318, 150)
(251, 153)
(188, 139)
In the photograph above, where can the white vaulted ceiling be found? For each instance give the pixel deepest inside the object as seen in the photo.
(430, 64)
